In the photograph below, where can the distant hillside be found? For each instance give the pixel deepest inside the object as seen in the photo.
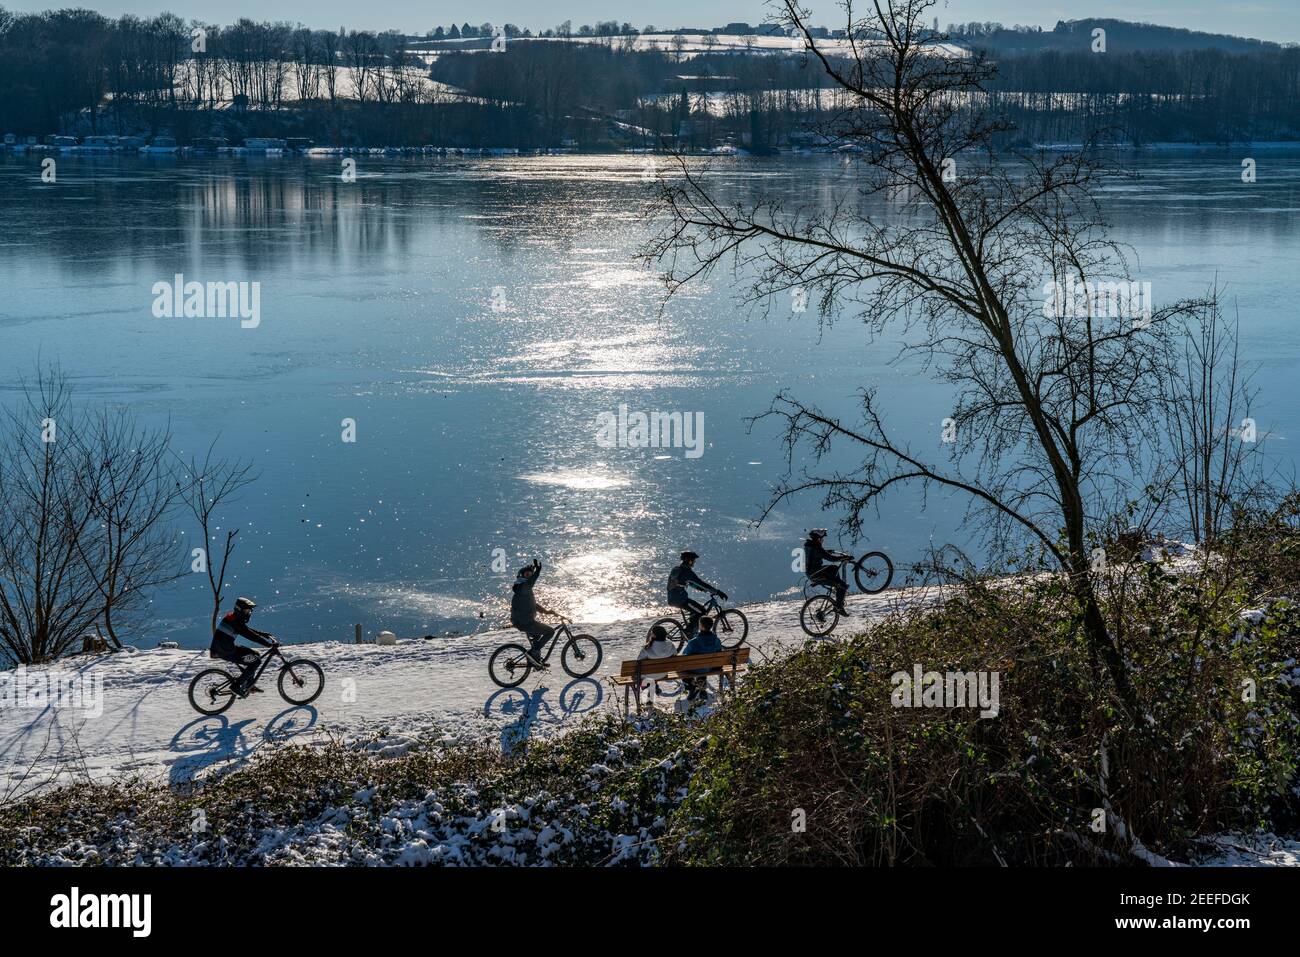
(1121, 37)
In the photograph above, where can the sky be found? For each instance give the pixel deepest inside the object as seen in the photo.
(1277, 20)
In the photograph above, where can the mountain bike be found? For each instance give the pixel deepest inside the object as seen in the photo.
(300, 682)
(818, 617)
(731, 625)
(510, 665)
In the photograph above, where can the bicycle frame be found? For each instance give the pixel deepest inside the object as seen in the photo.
(828, 586)
(550, 648)
(263, 662)
(710, 607)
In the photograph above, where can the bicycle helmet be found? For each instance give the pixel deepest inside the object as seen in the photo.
(687, 556)
(245, 604)
(817, 532)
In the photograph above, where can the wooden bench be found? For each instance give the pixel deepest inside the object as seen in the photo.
(678, 667)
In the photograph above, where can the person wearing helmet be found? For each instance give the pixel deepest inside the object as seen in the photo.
(679, 579)
(235, 625)
(822, 566)
(524, 609)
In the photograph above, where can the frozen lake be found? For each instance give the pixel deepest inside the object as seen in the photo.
(475, 318)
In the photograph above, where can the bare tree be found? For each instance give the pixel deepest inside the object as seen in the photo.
(1215, 449)
(307, 64)
(84, 529)
(209, 485)
(48, 595)
(329, 61)
(124, 473)
(974, 260)
(362, 54)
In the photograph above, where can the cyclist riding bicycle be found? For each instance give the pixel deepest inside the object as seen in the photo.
(679, 579)
(822, 566)
(235, 625)
(524, 609)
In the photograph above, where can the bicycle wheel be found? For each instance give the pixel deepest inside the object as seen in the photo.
(676, 633)
(301, 681)
(211, 691)
(873, 572)
(581, 656)
(818, 616)
(732, 627)
(509, 666)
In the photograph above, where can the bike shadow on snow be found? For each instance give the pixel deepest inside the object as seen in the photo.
(213, 740)
(580, 696)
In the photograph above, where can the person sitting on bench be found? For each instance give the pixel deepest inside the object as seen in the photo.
(657, 645)
(704, 643)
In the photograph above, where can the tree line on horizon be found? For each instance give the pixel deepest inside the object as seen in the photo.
(79, 72)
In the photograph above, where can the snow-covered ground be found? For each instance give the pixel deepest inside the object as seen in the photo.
(1250, 850)
(148, 727)
(137, 720)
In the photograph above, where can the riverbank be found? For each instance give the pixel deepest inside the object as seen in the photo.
(417, 687)
(403, 778)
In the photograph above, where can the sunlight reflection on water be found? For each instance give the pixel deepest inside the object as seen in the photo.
(477, 414)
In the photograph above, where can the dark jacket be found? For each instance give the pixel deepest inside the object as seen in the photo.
(705, 643)
(816, 555)
(523, 605)
(681, 576)
(230, 628)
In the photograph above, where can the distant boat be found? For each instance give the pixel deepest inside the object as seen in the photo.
(161, 144)
(63, 142)
(270, 144)
(210, 145)
(99, 144)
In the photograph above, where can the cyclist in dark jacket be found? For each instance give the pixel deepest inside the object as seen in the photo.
(679, 579)
(822, 566)
(235, 625)
(524, 609)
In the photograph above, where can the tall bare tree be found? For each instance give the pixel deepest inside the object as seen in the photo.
(974, 260)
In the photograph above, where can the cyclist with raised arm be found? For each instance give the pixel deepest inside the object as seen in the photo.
(524, 610)
(822, 566)
(682, 577)
(233, 625)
